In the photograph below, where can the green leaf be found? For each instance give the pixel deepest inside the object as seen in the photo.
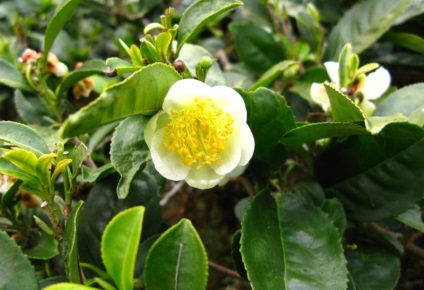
(288, 243)
(68, 286)
(408, 101)
(177, 260)
(363, 24)
(198, 14)
(119, 246)
(12, 77)
(373, 268)
(236, 255)
(31, 110)
(43, 166)
(269, 118)
(62, 15)
(375, 176)
(335, 211)
(375, 124)
(342, 108)
(121, 66)
(190, 54)
(412, 217)
(142, 93)
(256, 47)
(17, 272)
(45, 249)
(128, 150)
(315, 131)
(271, 74)
(89, 68)
(69, 249)
(23, 159)
(407, 40)
(23, 136)
(7, 167)
(90, 175)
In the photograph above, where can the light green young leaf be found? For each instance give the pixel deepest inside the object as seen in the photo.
(42, 167)
(177, 260)
(62, 15)
(17, 272)
(60, 166)
(277, 247)
(69, 286)
(198, 14)
(69, 248)
(128, 150)
(22, 136)
(23, 159)
(119, 246)
(375, 124)
(141, 93)
(363, 24)
(12, 77)
(342, 108)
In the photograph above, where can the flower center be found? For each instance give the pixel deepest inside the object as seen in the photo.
(198, 135)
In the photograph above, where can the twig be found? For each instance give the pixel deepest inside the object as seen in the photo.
(178, 266)
(171, 193)
(415, 249)
(224, 270)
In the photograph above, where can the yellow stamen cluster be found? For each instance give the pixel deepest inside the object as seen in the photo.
(198, 135)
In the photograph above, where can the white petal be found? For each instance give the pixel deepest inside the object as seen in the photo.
(230, 157)
(333, 71)
(203, 178)
(319, 95)
(236, 172)
(376, 83)
(247, 144)
(167, 163)
(183, 93)
(157, 121)
(229, 100)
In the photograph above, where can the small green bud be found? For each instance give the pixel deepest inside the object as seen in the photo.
(206, 62)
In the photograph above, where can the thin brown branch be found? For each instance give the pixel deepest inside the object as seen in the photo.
(224, 270)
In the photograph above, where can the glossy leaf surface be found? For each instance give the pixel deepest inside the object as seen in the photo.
(141, 93)
(342, 108)
(119, 246)
(177, 260)
(17, 272)
(288, 243)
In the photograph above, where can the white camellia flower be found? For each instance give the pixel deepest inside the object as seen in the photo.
(369, 87)
(201, 136)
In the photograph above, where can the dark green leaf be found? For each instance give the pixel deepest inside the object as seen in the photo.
(269, 118)
(177, 260)
(119, 246)
(408, 101)
(373, 268)
(89, 68)
(312, 132)
(375, 176)
(407, 40)
(235, 253)
(30, 109)
(23, 136)
(17, 272)
(90, 175)
(45, 249)
(62, 15)
(256, 47)
(12, 77)
(121, 66)
(128, 150)
(69, 248)
(287, 243)
(342, 108)
(363, 24)
(335, 211)
(142, 93)
(198, 14)
(413, 218)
